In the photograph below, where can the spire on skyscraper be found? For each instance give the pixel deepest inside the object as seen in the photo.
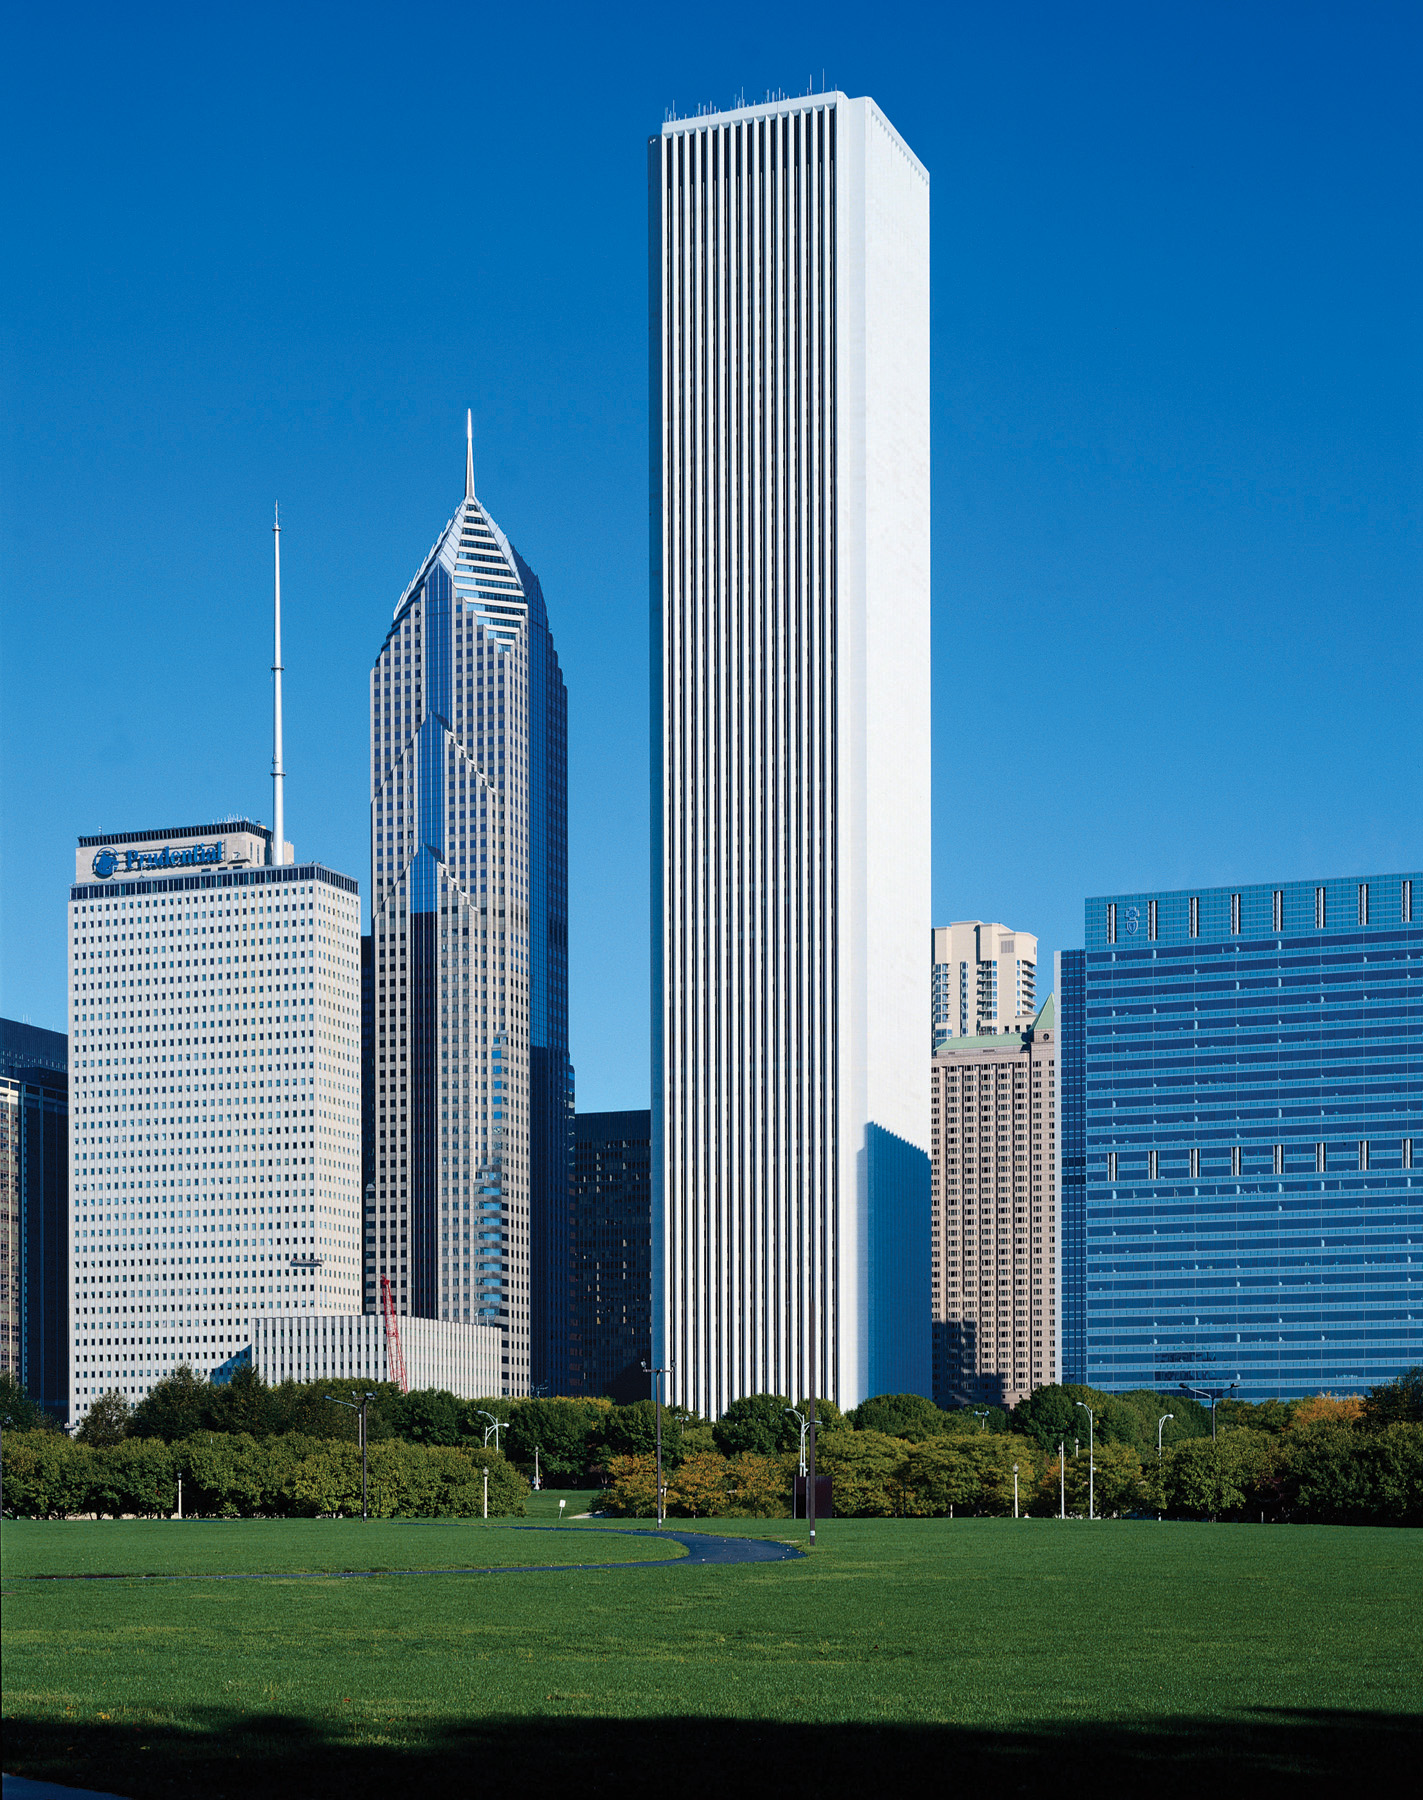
(469, 455)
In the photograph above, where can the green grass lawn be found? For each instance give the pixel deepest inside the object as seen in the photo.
(973, 1656)
(297, 1546)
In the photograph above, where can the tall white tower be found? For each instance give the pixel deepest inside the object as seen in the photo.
(790, 615)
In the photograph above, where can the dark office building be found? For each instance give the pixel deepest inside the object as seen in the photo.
(610, 1222)
(34, 1211)
(368, 1101)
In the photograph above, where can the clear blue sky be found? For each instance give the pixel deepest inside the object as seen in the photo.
(259, 252)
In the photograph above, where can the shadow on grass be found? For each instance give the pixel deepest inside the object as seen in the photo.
(223, 1756)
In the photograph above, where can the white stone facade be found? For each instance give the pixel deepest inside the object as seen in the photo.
(791, 826)
(215, 1094)
(346, 1347)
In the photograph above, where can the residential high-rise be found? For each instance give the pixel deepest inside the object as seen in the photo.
(473, 1087)
(215, 1098)
(984, 980)
(34, 1211)
(1242, 1112)
(995, 1214)
(789, 338)
(610, 1229)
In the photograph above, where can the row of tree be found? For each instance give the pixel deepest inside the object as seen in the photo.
(236, 1476)
(1324, 1471)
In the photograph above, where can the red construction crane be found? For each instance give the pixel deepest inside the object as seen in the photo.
(394, 1355)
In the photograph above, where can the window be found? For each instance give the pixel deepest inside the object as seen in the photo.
(1151, 1165)
(1235, 1159)
(1363, 902)
(1195, 1165)
(1151, 920)
(1319, 909)
(1277, 910)
(1111, 1165)
(1235, 915)
(1363, 1153)
(1111, 921)
(1193, 918)
(1321, 1159)
(1279, 1159)
(1407, 1153)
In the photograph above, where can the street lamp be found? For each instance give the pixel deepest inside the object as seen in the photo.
(982, 1418)
(657, 1373)
(359, 1408)
(537, 1483)
(1214, 1395)
(1015, 1490)
(1091, 1459)
(494, 1425)
(804, 1423)
(1159, 1423)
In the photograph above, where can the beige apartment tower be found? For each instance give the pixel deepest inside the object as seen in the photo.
(984, 980)
(995, 1256)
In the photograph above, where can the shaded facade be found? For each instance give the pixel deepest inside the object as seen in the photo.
(1248, 1114)
(472, 1087)
(995, 1215)
(610, 1223)
(34, 1212)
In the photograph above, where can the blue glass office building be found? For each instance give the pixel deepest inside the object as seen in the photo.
(1241, 1115)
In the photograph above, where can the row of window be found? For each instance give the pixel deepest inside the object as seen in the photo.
(1132, 919)
(1321, 1159)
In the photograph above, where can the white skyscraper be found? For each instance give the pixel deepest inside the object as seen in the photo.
(215, 1099)
(790, 613)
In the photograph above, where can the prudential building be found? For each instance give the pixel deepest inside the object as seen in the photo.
(790, 616)
(473, 1086)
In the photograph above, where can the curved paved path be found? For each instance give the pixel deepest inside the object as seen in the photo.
(701, 1550)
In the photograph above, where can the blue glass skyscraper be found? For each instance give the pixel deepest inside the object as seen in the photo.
(472, 1084)
(1242, 1107)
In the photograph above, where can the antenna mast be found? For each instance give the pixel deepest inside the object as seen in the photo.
(277, 853)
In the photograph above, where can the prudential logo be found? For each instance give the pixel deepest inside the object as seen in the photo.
(105, 863)
(143, 862)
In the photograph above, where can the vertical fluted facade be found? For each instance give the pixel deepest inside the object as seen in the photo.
(790, 565)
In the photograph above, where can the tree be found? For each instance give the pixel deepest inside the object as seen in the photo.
(867, 1470)
(1397, 1402)
(1326, 1408)
(106, 1421)
(173, 1408)
(758, 1423)
(18, 1412)
(908, 1416)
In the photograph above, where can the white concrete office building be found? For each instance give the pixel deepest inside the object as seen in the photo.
(983, 980)
(215, 1094)
(437, 1353)
(789, 340)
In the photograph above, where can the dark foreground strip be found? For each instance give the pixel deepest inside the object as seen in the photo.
(701, 1551)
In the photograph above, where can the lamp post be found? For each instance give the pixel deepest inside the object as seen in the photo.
(494, 1425)
(537, 1483)
(359, 1408)
(804, 1424)
(1091, 1459)
(1159, 1423)
(1062, 1479)
(486, 1496)
(1214, 1395)
(982, 1418)
(657, 1372)
(1015, 1490)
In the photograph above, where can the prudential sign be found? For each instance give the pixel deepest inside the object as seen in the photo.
(108, 863)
